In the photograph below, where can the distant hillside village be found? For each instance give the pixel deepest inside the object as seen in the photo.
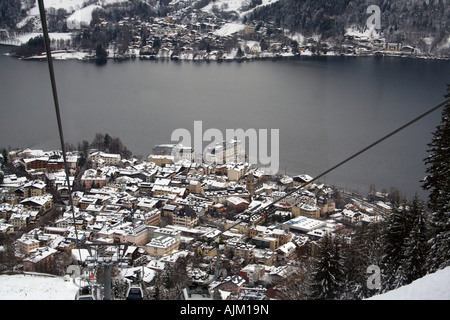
(170, 208)
(192, 30)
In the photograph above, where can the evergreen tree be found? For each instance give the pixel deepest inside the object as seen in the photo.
(328, 277)
(415, 247)
(354, 262)
(101, 55)
(107, 142)
(438, 183)
(5, 156)
(397, 229)
(98, 141)
(364, 250)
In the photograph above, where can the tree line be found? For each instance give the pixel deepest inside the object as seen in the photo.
(101, 142)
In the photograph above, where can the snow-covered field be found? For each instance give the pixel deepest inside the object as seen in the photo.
(238, 6)
(68, 5)
(32, 287)
(229, 28)
(366, 33)
(82, 17)
(24, 38)
(435, 286)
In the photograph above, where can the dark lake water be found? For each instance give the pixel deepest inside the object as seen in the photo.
(325, 109)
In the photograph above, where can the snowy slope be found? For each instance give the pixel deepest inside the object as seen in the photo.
(68, 5)
(226, 5)
(80, 14)
(32, 287)
(82, 17)
(238, 6)
(229, 28)
(435, 286)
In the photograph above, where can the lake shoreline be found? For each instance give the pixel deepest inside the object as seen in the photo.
(66, 55)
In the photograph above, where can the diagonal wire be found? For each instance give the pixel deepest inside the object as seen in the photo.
(58, 115)
(447, 101)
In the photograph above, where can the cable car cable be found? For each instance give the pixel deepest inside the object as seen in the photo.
(58, 115)
(447, 101)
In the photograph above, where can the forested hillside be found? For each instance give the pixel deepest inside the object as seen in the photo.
(420, 23)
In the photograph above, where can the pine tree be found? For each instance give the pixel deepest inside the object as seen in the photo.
(328, 277)
(416, 246)
(354, 265)
(365, 250)
(101, 55)
(107, 142)
(397, 230)
(438, 183)
(5, 157)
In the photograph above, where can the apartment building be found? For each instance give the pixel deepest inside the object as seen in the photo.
(34, 188)
(25, 245)
(162, 245)
(100, 159)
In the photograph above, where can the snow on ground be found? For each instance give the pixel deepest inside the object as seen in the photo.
(229, 28)
(82, 16)
(24, 38)
(264, 3)
(106, 2)
(68, 5)
(226, 5)
(32, 287)
(445, 45)
(64, 55)
(238, 6)
(297, 37)
(435, 286)
(78, 10)
(367, 33)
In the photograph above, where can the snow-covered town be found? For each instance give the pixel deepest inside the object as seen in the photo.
(167, 208)
(192, 31)
(92, 221)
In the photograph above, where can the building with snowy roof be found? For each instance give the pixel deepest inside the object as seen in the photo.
(92, 178)
(40, 260)
(162, 245)
(39, 203)
(100, 159)
(27, 244)
(286, 251)
(6, 210)
(302, 179)
(237, 204)
(233, 284)
(303, 224)
(34, 188)
(252, 273)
